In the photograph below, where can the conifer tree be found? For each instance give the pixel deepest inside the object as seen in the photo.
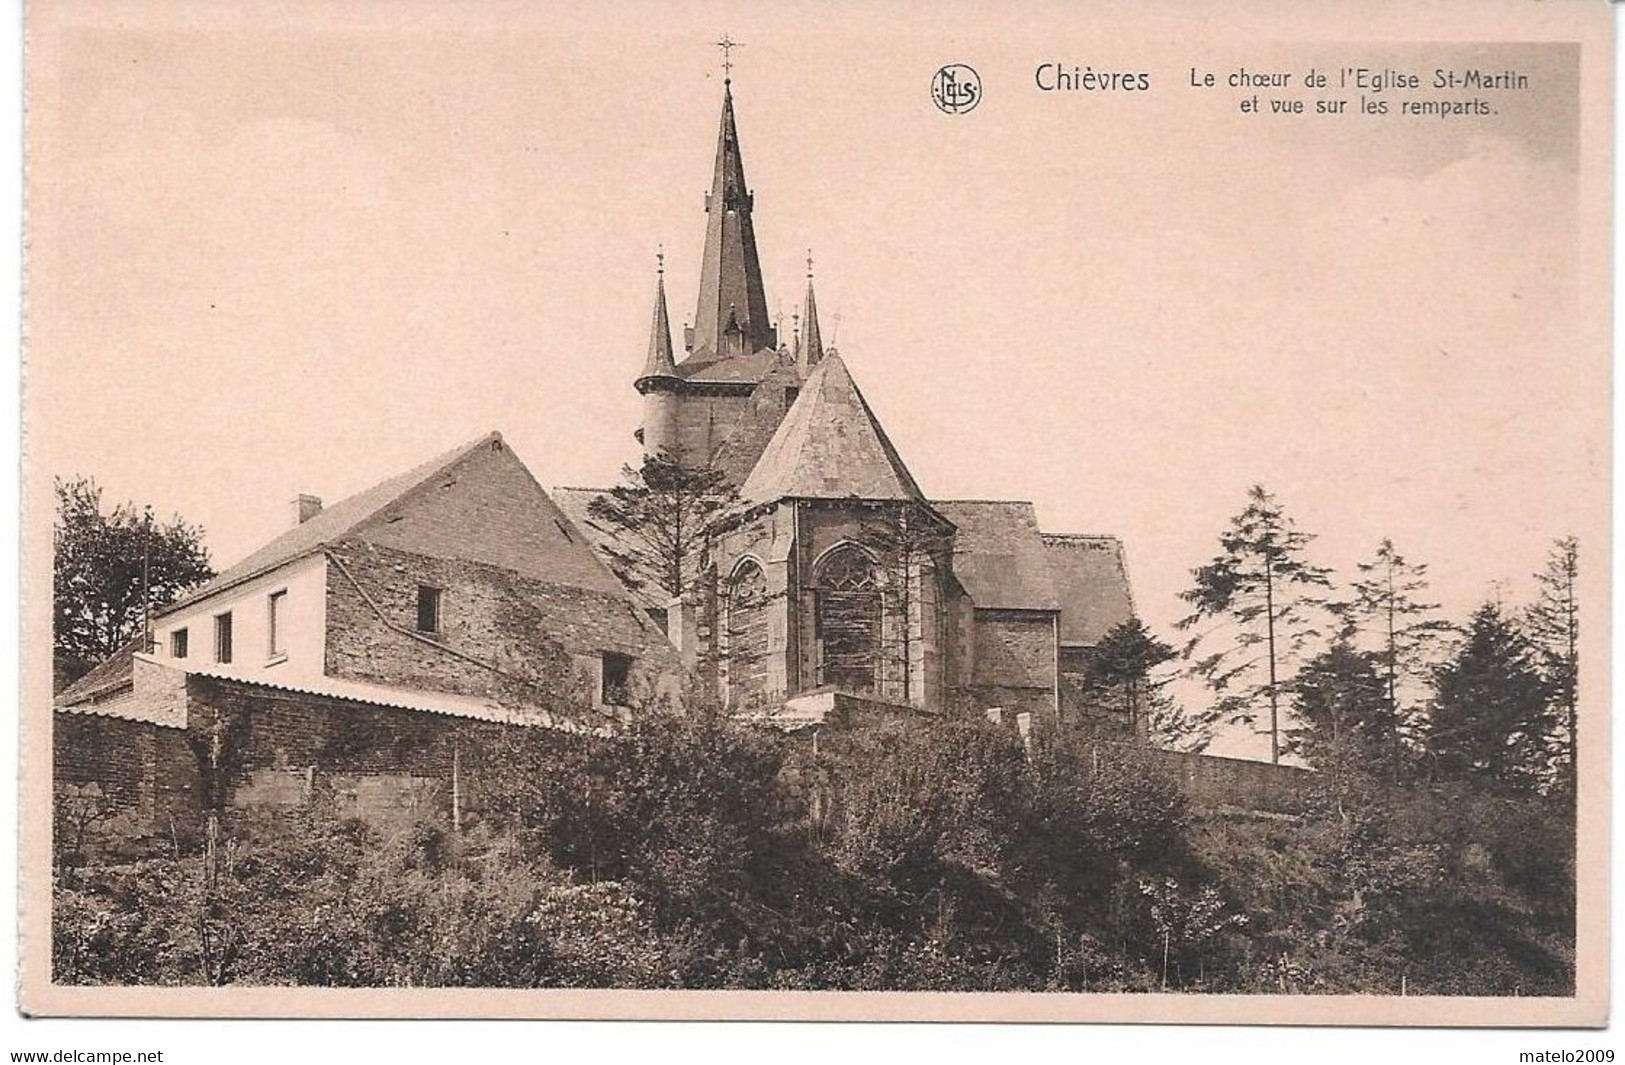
(1489, 705)
(1123, 661)
(910, 543)
(658, 516)
(1553, 624)
(1344, 717)
(1262, 601)
(1388, 614)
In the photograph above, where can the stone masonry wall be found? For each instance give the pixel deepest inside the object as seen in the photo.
(1013, 661)
(143, 774)
(487, 615)
(389, 765)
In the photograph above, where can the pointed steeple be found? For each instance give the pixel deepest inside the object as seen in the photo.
(659, 362)
(730, 271)
(810, 348)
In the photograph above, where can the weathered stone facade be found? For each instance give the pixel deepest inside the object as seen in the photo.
(278, 749)
(495, 625)
(794, 546)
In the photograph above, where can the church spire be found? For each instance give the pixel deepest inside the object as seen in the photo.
(810, 346)
(659, 362)
(730, 271)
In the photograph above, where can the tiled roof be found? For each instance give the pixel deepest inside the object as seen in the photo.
(1091, 578)
(999, 554)
(830, 446)
(329, 524)
(113, 674)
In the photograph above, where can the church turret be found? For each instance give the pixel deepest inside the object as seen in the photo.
(810, 342)
(658, 383)
(730, 271)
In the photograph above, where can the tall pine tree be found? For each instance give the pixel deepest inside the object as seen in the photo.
(1388, 614)
(1262, 602)
(658, 517)
(1489, 706)
(1344, 722)
(1553, 624)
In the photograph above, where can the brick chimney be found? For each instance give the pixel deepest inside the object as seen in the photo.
(305, 508)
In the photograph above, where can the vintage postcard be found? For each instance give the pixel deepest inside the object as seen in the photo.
(1066, 512)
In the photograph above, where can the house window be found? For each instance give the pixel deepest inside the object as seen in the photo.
(617, 678)
(273, 623)
(428, 608)
(222, 639)
(177, 644)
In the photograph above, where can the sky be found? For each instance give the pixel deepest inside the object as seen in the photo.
(298, 258)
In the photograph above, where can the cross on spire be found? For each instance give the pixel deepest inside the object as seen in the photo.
(727, 44)
(660, 259)
(809, 264)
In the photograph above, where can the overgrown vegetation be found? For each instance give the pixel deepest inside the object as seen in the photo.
(111, 569)
(695, 852)
(1432, 852)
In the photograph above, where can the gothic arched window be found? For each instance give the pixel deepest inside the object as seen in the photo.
(746, 646)
(847, 620)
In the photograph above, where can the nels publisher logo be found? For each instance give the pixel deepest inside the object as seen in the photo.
(956, 88)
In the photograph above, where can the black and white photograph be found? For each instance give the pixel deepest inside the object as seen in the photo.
(821, 513)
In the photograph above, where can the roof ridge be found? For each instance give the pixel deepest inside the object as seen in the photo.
(404, 483)
(1080, 536)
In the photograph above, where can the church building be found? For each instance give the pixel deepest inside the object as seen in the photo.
(372, 648)
(836, 578)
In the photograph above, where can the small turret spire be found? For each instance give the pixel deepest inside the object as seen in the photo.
(659, 362)
(810, 349)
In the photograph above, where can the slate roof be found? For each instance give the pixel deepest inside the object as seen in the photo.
(999, 554)
(704, 367)
(658, 363)
(1091, 578)
(730, 270)
(328, 524)
(114, 674)
(830, 446)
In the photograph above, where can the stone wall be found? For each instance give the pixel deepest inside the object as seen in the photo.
(1012, 661)
(279, 750)
(1214, 781)
(389, 765)
(705, 420)
(492, 622)
(135, 775)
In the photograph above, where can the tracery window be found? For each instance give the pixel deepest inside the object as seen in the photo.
(847, 620)
(746, 646)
